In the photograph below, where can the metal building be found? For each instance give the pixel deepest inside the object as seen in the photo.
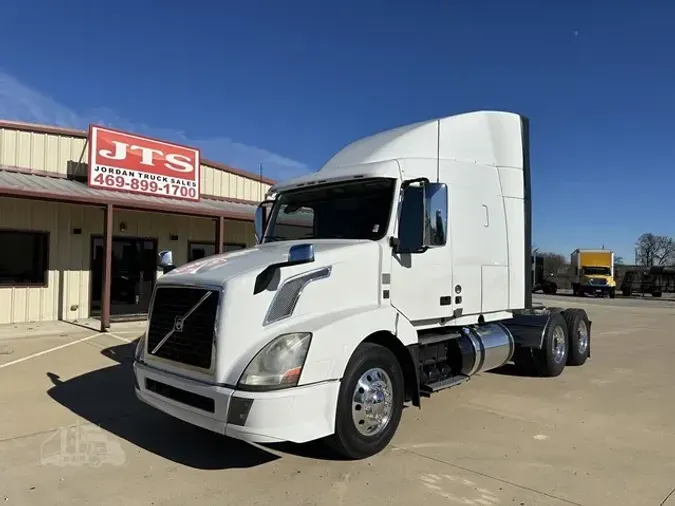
(61, 233)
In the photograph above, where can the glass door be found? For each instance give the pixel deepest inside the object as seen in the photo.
(133, 270)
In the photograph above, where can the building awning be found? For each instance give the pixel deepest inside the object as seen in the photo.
(24, 184)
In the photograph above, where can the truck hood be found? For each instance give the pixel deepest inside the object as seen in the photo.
(216, 270)
(243, 326)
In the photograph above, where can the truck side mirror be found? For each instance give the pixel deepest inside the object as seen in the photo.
(165, 261)
(261, 218)
(435, 226)
(423, 221)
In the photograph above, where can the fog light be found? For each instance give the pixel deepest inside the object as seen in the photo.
(238, 411)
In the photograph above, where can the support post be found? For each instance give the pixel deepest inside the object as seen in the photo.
(220, 234)
(107, 266)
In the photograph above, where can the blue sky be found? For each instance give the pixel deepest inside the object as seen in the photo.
(289, 83)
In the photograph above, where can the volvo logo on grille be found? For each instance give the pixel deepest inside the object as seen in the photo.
(178, 324)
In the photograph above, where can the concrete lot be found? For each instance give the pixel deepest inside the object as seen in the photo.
(601, 434)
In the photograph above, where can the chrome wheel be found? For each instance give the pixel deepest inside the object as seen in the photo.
(559, 344)
(582, 337)
(372, 402)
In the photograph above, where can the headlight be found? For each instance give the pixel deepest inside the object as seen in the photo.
(140, 347)
(279, 364)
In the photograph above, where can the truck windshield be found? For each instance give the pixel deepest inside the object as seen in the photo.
(597, 271)
(353, 210)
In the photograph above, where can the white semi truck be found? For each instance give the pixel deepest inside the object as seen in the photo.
(400, 268)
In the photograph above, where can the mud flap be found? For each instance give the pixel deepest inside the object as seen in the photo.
(590, 324)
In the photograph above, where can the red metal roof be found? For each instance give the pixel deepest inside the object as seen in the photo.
(34, 185)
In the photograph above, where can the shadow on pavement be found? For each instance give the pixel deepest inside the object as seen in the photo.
(510, 369)
(106, 397)
(507, 370)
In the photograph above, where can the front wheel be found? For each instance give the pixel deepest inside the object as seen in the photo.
(370, 402)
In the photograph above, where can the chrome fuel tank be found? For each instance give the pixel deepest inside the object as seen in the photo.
(485, 347)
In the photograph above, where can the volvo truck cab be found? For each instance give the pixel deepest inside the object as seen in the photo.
(400, 268)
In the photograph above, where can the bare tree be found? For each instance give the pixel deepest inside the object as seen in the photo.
(554, 263)
(651, 250)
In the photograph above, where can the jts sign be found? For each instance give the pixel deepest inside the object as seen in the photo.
(127, 162)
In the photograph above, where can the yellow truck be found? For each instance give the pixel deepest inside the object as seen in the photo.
(593, 272)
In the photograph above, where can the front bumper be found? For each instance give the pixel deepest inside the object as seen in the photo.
(597, 289)
(297, 414)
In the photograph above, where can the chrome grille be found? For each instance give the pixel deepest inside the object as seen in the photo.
(182, 325)
(598, 281)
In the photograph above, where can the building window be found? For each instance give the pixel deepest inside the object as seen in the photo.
(24, 257)
(197, 250)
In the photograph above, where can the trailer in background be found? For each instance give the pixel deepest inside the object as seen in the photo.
(539, 281)
(655, 281)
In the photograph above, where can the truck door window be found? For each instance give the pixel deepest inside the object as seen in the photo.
(410, 223)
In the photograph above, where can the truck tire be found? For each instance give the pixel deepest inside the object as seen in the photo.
(550, 360)
(550, 288)
(579, 335)
(370, 403)
(612, 293)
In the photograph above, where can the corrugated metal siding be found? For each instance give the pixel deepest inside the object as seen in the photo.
(69, 255)
(224, 184)
(61, 153)
(38, 151)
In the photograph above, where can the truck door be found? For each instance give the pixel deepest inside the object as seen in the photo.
(421, 283)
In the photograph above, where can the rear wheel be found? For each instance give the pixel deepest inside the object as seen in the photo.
(578, 329)
(370, 402)
(551, 359)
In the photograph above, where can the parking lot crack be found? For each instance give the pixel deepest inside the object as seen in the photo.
(667, 497)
